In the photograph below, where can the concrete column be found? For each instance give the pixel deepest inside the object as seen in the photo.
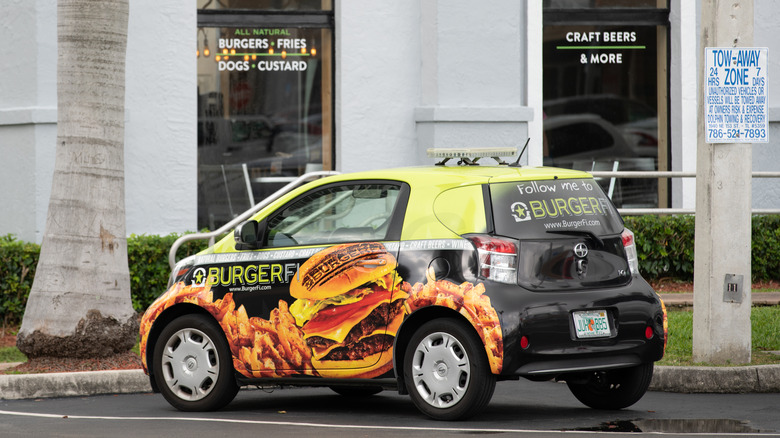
(683, 105)
(28, 114)
(721, 321)
(534, 76)
(473, 76)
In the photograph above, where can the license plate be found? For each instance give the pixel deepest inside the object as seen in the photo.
(591, 324)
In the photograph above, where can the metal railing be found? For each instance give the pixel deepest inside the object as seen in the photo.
(211, 235)
(673, 174)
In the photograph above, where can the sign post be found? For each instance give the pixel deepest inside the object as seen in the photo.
(732, 115)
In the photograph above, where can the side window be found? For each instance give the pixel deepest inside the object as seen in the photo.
(335, 214)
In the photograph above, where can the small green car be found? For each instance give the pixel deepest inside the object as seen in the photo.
(434, 281)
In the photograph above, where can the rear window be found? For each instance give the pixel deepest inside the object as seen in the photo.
(530, 209)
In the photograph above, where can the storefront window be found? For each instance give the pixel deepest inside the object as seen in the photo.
(605, 99)
(265, 112)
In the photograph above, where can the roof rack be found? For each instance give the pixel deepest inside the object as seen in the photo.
(470, 156)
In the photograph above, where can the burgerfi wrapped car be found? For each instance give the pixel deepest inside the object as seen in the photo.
(434, 281)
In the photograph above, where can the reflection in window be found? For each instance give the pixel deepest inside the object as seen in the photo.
(346, 213)
(577, 138)
(264, 114)
(601, 99)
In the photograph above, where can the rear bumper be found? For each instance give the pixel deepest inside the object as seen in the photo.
(552, 348)
(577, 365)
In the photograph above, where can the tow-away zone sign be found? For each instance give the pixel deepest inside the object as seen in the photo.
(735, 95)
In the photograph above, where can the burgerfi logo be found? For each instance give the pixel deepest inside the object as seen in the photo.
(334, 263)
(568, 207)
(558, 207)
(240, 275)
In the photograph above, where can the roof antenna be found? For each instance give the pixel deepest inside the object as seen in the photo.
(517, 163)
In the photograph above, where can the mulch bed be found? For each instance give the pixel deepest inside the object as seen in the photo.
(122, 361)
(8, 338)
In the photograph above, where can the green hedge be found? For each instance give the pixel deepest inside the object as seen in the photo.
(149, 269)
(17, 268)
(664, 243)
(147, 255)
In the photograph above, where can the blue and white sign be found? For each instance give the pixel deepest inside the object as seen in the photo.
(735, 95)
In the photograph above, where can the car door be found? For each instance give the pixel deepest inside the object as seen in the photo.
(328, 289)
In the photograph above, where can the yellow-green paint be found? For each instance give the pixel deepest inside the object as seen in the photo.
(462, 209)
(438, 195)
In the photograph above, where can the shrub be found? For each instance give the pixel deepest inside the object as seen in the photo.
(765, 263)
(149, 269)
(18, 261)
(147, 256)
(665, 245)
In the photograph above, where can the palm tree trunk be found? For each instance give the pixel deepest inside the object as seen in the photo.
(80, 305)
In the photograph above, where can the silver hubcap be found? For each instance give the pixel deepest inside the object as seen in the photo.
(190, 364)
(441, 370)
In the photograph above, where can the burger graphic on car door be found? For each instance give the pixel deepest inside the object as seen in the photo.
(349, 306)
(345, 296)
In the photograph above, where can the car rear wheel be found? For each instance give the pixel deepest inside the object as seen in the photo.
(192, 365)
(446, 370)
(615, 389)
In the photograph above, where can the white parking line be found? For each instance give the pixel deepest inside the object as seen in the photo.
(356, 426)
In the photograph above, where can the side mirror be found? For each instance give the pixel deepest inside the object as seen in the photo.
(246, 235)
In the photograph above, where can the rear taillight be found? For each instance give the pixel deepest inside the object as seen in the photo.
(630, 247)
(497, 258)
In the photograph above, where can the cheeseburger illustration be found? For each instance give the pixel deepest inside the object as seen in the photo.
(349, 306)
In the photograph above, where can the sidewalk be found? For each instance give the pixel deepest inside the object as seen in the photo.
(686, 299)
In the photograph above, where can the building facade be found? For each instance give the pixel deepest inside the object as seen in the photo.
(226, 100)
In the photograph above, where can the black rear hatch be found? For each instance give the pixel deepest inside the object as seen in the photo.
(569, 233)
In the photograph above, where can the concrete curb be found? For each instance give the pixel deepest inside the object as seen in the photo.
(750, 379)
(761, 378)
(23, 386)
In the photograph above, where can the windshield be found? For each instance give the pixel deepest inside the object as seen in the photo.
(531, 209)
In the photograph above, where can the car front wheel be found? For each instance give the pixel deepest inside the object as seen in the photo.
(615, 389)
(446, 370)
(192, 365)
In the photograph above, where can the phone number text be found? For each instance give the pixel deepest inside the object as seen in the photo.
(737, 133)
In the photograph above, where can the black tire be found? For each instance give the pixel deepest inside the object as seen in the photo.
(192, 365)
(615, 389)
(446, 370)
(356, 391)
